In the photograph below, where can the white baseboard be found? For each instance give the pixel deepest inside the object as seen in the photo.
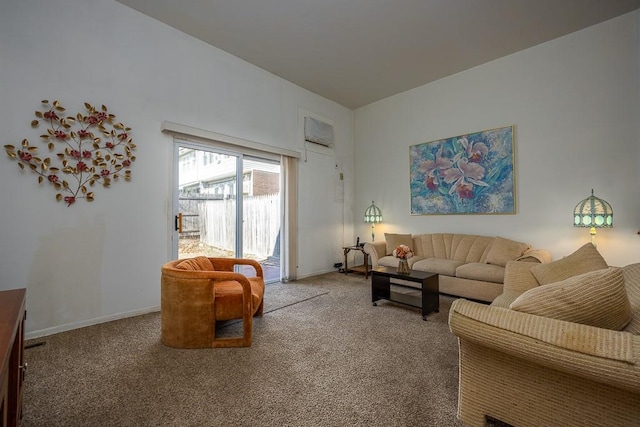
(90, 322)
(303, 276)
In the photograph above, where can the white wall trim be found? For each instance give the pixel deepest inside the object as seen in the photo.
(89, 322)
(315, 273)
(190, 133)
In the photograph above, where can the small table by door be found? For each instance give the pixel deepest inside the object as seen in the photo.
(360, 268)
(429, 300)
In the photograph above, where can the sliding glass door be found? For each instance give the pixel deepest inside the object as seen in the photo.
(227, 204)
(261, 216)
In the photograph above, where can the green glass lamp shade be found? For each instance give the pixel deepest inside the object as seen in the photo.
(593, 212)
(373, 214)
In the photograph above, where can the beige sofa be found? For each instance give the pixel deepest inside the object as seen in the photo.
(564, 352)
(468, 266)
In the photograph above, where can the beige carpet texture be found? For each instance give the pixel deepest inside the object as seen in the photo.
(322, 355)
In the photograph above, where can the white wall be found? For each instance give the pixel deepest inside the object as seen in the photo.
(97, 261)
(574, 102)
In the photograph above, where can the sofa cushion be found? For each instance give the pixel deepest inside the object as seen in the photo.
(200, 263)
(631, 274)
(438, 265)
(584, 260)
(395, 240)
(391, 261)
(481, 271)
(503, 250)
(597, 298)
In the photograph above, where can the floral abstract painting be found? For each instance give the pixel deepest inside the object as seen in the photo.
(466, 174)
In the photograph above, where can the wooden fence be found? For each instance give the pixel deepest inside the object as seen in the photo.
(216, 222)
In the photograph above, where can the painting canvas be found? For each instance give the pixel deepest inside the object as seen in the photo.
(466, 174)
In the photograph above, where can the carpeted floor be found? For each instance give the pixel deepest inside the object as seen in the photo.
(322, 355)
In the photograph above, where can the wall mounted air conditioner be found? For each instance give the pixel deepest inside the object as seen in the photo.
(318, 132)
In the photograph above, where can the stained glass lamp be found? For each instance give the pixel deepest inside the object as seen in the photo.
(593, 213)
(372, 216)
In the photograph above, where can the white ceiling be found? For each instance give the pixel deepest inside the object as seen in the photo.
(355, 52)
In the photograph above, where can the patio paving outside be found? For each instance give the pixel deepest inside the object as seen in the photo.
(192, 247)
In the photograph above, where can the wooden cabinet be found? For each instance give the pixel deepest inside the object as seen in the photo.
(12, 315)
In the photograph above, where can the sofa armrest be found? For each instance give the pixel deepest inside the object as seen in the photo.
(376, 250)
(536, 255)
(601, 355)
(518, 277)
(517, 280)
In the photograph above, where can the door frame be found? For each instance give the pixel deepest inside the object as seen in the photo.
(289, 160)
(241, 165)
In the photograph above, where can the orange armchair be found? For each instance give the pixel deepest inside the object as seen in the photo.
(197, 292)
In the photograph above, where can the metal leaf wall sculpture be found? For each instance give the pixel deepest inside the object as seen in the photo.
(90, 148)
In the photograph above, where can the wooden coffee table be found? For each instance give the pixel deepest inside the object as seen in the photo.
(428, 301)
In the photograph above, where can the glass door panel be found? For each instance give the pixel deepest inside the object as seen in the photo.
(206, 218)
(261, 214)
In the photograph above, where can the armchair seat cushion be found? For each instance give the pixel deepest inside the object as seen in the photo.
(228, 298)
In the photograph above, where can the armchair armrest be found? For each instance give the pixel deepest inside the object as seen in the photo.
(198, 278)
(227, 264)
(601, 355)
(376, 250)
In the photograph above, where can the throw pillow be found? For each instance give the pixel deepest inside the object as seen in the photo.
(584, 260)
(597, 298)
(503, 250)
(394, 240)
(631, 274)
(200, 263)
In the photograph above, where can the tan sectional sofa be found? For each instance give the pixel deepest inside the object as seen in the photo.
(468, 266)
(560, 347)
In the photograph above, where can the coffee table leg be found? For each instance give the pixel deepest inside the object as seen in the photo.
(380, 288)
(430, 296)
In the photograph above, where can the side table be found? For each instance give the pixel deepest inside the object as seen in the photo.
(360, 268)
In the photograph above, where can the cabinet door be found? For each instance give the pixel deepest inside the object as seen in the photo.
(12, 314)
(16, 375)
(4, 398)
